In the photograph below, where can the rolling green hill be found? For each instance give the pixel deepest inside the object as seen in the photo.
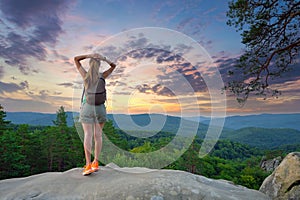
(264, 137)
(141, 126)
(290, 120)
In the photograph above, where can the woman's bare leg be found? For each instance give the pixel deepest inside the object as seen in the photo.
(98, 140)
(87, 144)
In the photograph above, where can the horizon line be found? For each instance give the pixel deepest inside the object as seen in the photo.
(191, 116)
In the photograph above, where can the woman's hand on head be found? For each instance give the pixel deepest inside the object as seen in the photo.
(93, 55)
(97, 56)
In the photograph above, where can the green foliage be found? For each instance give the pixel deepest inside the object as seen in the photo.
(230, 150)
(265, 138)
(27, 150)
(12, 160)
(251, 177)
(286, 148)
(61, 118)
(145, 148)
(228, 160)
(248, 181)
(115, 137)
(4, 124)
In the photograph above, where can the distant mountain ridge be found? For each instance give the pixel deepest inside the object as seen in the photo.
(231, 122)
(36, 119)
(260, 120)
(276, 130)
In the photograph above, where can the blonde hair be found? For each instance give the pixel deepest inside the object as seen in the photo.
(92, 75)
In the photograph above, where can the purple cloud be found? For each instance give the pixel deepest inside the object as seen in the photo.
(24, 84)
(66, 84)
(60, 56)
(176, 68)
(12, 87)
(116, 83)
(139, 47)
(182, 79)
(1, 72)
(157, 89)
(57, 93)
(229, 71)
(29, 25)
(180, 70)
(44, 94)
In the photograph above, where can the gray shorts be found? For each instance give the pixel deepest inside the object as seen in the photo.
(92, 114)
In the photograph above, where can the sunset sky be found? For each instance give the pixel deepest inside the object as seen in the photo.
(149, 41)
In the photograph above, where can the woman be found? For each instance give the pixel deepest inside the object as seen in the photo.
(92, 117)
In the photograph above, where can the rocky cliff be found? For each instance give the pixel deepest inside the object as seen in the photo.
(271, 164)
(284, 182)
(115, 183)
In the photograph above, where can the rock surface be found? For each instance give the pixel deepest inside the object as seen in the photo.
(271, 164)
(284, 182)
(116, 183)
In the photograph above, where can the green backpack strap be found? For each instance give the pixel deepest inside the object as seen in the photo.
(82, 95)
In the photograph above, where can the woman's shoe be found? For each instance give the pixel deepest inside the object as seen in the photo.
(87, 170)
(95, 166)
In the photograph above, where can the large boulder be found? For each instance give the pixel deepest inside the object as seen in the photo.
(284, 182)
(115, 183)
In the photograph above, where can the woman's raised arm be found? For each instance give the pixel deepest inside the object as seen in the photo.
(110, 70)
(77, 60)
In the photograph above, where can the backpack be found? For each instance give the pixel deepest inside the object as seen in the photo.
(95, 95)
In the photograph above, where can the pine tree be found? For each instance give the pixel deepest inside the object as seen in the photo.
(60, 137)
(61, 117)
(4, 124)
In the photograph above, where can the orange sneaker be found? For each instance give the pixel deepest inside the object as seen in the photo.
(95, 166)
(87, 170)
